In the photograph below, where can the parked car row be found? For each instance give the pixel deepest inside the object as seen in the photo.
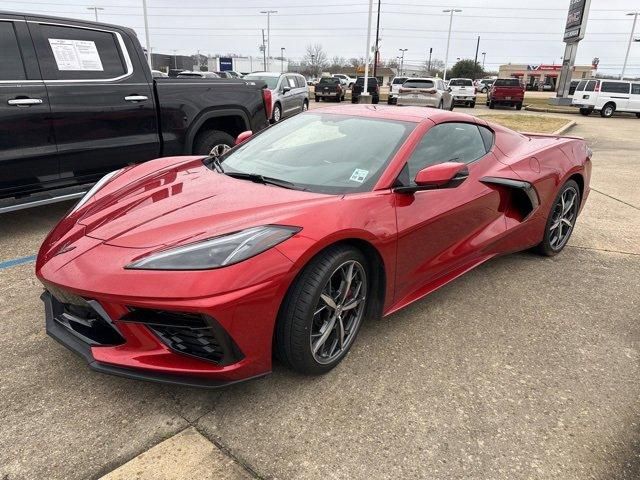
(289, 93)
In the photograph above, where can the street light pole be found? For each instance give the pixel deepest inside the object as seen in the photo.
(313, 65)
(146, 32)
(269, 12)
(95, 11)
(402, 60)
(365, 91)
(446, 56)
(282, 49)
(633, 28)
(429, 64)
(484, 56)
(175, 59)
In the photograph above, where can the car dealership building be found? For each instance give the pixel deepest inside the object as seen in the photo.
(543, 77)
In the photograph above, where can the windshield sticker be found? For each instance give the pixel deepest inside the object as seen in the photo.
(77, 55)
(359, 175)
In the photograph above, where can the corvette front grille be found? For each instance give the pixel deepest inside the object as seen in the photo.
(188, 333)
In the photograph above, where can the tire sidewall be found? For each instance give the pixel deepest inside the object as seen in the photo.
(205, 141)
(277, 108)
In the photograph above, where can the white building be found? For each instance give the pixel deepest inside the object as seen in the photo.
(246, 64)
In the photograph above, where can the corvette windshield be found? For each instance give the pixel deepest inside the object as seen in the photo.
(323, 153)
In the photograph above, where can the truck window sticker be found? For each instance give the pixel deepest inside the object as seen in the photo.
(76, 55)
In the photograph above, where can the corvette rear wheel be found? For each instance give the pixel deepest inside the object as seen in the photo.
(562, 219)
(323, 311)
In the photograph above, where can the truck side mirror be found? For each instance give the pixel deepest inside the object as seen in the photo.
(243, 137)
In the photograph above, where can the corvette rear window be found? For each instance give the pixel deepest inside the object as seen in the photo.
(323, 153)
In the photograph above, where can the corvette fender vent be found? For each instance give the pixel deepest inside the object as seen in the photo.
(524, 198)
(188, 333)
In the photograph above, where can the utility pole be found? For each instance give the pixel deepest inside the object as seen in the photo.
(264, 52)
(484, 56)
(446, 56)
(475, 61)
(429, 64)
(146, 31)
(175, 58)
(633, 28)
(282, 49)
(95, 11)
(375, 59)
(269, 12)
(402, 60)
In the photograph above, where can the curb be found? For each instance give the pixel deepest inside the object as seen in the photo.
(565, 128)
(531, 108)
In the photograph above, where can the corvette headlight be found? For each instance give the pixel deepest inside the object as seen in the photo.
(101, 183)
(217, 252)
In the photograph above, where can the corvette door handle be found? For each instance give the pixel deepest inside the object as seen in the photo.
(136, 98)
(24, 102)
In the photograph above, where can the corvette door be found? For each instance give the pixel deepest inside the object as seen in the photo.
(444, 230)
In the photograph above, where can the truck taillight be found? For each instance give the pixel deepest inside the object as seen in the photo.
(266, 98)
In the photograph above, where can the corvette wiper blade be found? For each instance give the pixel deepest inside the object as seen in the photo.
(216, 163)
(257, 178)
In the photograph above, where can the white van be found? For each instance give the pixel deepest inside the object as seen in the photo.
(607, 96)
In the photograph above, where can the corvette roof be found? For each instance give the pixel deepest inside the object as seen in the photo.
(392, 112)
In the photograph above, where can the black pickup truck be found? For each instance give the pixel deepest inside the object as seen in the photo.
(372, 87)
(77, 100)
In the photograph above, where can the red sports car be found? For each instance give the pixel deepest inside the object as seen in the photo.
(194, 270)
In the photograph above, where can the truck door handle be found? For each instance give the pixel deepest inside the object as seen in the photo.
(24, 102)
(136, 98)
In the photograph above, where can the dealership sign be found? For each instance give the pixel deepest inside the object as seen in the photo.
(576, 20)
(226, 64)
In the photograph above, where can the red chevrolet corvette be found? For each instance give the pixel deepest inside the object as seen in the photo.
(194, 270)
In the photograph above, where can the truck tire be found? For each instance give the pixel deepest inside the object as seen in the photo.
(338, 98)
(608, 110)
(317, 98)
(213, 143)
(585, 111)
(375, 100)
(472, 104)
(637, 115)
(519, 106)
(492, 105)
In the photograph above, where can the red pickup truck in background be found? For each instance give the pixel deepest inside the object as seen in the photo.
(506, 91)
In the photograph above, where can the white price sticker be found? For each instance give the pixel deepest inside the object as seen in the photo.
(76, 55)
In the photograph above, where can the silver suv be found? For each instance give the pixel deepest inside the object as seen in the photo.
(289, 93)
(428, 92)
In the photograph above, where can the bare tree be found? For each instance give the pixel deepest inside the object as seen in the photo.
(337, 63)
(436, 67)
(357, 62)
(316, 57)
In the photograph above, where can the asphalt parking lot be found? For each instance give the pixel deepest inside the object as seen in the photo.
(526, 367)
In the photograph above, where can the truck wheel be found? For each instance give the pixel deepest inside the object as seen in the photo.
(389, 101)
(637, 115)
(338, 98)
(375, 99)
(317, 98)
(472, 104)
(277, 113)
(213, 143)
(608, 110)
(585, 111)
(518, 106)
(492, 105)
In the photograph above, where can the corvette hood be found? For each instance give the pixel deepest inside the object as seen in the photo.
(186, 202)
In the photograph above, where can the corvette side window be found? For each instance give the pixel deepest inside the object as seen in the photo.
(447, 142)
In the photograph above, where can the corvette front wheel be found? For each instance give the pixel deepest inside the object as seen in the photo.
(561, 221)
(323, 311)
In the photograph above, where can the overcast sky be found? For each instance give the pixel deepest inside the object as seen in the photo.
(515, 31)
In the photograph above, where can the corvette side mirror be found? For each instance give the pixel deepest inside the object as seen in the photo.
(243, 137)
(441, 175)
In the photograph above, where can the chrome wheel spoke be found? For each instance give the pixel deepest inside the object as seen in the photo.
(330, 302)
(564, 215)
(328, 328)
